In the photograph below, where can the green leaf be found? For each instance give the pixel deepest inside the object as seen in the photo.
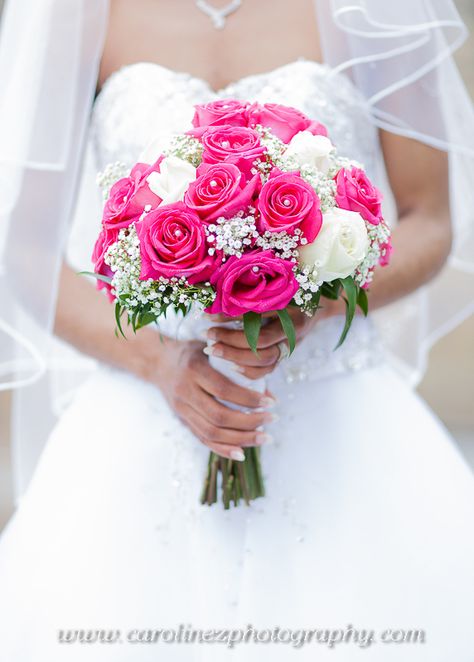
(144, 319)
(118, 315)
(252, 326)
(350, 289)
(105, 279)
(362, 301)
(288, 327)
(331, 290)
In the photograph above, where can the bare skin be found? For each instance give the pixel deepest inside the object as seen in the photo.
(155, 31)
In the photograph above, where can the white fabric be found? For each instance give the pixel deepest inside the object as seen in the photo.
(49, 53)
(367, 522)
(396, 53)
(368, 512)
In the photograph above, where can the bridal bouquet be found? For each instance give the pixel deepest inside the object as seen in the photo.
(250, 211)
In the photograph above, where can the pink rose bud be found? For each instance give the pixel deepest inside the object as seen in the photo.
(173, 243)
(287, 202)
(129, 196)
(220, 189)
(258, 281)
(223, 111)
(356, 192)
(284, 121)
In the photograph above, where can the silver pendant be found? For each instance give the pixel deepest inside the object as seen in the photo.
(218, 16)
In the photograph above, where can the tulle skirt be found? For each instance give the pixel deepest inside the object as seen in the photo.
(363, 538)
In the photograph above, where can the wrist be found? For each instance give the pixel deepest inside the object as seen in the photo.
(330, 308)
(144, 354)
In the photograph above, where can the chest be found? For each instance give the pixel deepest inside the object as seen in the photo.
(260, 35)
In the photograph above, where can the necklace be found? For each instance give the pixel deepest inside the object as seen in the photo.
(218, 16)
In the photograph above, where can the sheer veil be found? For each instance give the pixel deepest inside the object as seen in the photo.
(397, 53)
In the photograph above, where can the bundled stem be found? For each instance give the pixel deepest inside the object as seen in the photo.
(232, 481)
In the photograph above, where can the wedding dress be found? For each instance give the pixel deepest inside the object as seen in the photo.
(367, 521)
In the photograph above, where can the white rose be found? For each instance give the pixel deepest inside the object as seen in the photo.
(340, 246)
(173, 179)
(306, 149)
(154, 149)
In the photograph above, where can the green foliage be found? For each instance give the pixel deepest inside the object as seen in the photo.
(252, 326)
(288, 327)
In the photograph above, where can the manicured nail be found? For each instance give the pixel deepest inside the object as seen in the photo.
(237, 455)
(213, 351)
(237, 368)
(269, 417)
(212, 334)
(267, 402)
(263, 438)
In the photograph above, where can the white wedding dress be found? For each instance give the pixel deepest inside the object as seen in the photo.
(369, 509)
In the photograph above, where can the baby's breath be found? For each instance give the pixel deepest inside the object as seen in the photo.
(232, 235)
(112, 173)
(123, 257)
(306, 296)
(340, 162)
(186, 148)
(283, 244)
(379, 235)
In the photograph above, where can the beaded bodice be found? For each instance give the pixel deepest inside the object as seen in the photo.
(146, 102)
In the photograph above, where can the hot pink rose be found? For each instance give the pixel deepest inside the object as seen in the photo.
(220, 189)
(284, 121)
(129, 196)
(258, 281)
(105, 239)
(232, 144)
(223, 111)
(355, 192)
(287, 202)
(173, 243)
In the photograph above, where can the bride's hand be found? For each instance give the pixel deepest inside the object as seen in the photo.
(232, 344)
(191, 387)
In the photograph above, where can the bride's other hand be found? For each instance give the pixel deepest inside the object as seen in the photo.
(232, 345)
(179, 369)
(191, 387)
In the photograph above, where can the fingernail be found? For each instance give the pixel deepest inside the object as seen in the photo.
(263, 438)
(212, 334)
(237, 455)
(267, 402)
(213, 351)
(269, 417)
(237, 368)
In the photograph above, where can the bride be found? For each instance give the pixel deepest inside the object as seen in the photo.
(364, 537)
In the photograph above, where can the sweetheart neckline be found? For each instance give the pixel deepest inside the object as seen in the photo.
(216, 92)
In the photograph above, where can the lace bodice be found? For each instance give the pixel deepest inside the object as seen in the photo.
(145, 101)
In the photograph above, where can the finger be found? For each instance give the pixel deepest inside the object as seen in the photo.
(270, 334)
(244, 357)
(234, 452)
(228, 452)
(220, 317)
(256, 373)
(211, 434)
(221, 387)
(224, 417)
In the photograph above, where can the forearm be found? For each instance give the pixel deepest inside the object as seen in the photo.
(85, 319)
(421, 245)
